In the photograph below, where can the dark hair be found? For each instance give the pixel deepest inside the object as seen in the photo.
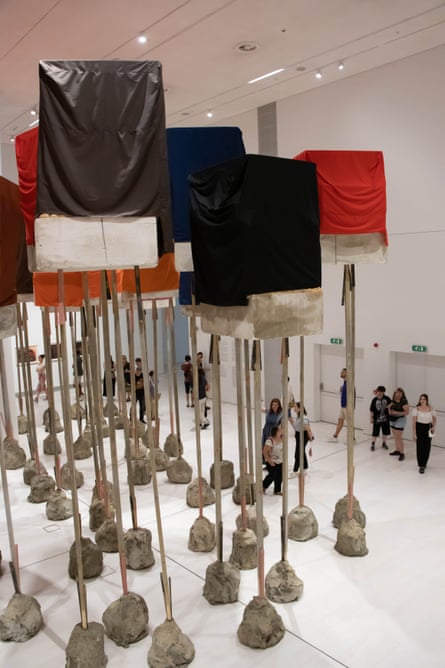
(275, 428)
(280, 407)
(426, 397)
(187, 358)
(138, 359)
(297, 404)
(380, 388)
(399, 389)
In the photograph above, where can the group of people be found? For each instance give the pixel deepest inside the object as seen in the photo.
(391, 415)
(272, 443)
(203, 387)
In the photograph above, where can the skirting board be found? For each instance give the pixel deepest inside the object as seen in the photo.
(8, 321)
(90, 244)
(268, 316)
(353, 248)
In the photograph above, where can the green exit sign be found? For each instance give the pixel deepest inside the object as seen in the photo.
(337, 341)
(418, 349)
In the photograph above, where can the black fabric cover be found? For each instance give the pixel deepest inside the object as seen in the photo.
(102, 143)
(254, 229)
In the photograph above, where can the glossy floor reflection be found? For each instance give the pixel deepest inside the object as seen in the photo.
(385, 609)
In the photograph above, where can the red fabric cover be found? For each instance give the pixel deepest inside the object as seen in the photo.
(157, 279)
(351, 191)
(11, 223)
(46, 292)
(26, 145)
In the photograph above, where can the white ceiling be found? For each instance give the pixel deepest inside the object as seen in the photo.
(195, 40)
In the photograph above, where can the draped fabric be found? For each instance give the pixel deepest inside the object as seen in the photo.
(255, 229)
(191, 150)
(102, 142)
(46, 288)
(162, 278)
(351, 190)
(26, 145)
(11, 232)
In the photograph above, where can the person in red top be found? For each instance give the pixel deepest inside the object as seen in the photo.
(187, 368)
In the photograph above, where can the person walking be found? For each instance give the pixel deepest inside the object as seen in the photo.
(424, 426)
(273, 456)
(273, 418)
(203, 388)
(379, 416)
(41, 378)
(140, 391)
(187, 368)
(343, 398)
(398, 411)
(298, 424)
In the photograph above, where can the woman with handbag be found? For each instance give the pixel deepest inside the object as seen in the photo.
(424, 426)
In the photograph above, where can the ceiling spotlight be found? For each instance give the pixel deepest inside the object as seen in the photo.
(341, 65)
(210, 114)
(33, 112)
(318, 74)
(142, 39)
(12, 138)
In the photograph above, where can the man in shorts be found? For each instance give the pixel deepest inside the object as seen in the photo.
(379, 416)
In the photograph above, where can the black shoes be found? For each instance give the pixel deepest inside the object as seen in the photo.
(372, 447)
(384, 446)
(401, 457)
(422, 469)
(394, 453)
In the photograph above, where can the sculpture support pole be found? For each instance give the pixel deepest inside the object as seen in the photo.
(284, 422)
(349, 290)
(256, 365)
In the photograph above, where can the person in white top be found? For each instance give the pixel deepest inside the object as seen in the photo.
(424, 425)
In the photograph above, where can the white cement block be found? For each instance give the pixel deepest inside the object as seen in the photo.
(183, 256)
(8, 321)
(353, 248)
(89, 244)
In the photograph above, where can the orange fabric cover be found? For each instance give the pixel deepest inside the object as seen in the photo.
(11, 224)
(351, 191)
(161, 278)
(46, 291)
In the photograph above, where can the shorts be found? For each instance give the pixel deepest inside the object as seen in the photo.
(342, 415)
(399, 424)
(188, 387)
(384, 426)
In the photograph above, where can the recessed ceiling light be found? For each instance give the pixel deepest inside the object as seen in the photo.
(210, 114)
(246, 47)
(12, 138)
(318, 74)
(33, 112)
(265, 76)
(142, 39)
(341, 65)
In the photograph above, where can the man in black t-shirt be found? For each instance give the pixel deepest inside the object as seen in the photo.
(379, 416)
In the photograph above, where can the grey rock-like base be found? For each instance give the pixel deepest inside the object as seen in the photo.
(21, 619)
(202, 536)
(192, 494)
(161, 459)
(118, 421)
(46, 421)
(51, 445)
(351, 539)
(173, 446)
(341, 512)
(82, 447)
(86, 647)
(15, 456)
(88, 433)
(221, 583)
(138, 450)
(95, 495)
(302, 524)
(244, 549)
(261, 626)
(137, 544)
(170, 647)
(249, 489)
(106, 536)
(282, 583)
(141, 471)
(22, 424)
(98, 514)
(252, 520)
(59, 507)
(30, 470)
(42, 486)
(126, 620)
(66, 477)
(227, 475)
(92, 560)
(179, 471)
(77, 411)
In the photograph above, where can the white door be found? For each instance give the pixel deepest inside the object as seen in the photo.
(332, 361)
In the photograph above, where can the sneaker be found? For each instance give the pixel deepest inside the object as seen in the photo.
(384, 446)
(394, 453)
(422, 469)
(278, 493)
(333, 439)
(401, 457)
(372, 447)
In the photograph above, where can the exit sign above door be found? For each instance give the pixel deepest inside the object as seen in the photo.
(338, 341)
(418, 349)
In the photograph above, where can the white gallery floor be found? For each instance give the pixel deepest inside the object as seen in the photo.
(385, 609)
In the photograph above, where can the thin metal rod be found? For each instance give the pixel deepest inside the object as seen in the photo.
(217, 437)
(285, 393)
(240, 405)
(195, 402)
(256, 365)
(46, 328)
(250, 449)
(301, 479)
(349, 291)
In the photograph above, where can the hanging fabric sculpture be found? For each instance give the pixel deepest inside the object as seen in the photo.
(103, 196)
(352, 194)
(256, 247)
(191, 150)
